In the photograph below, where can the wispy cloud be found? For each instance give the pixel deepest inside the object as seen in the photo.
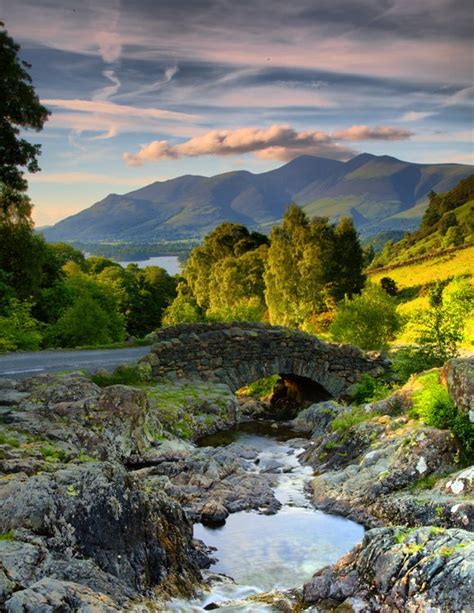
(120, 110)
(168, 75)
(107, 119)
(279, 142)
(104, 93)
(416, 115)
(68, 178)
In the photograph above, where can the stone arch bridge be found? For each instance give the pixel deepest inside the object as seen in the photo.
(237, 354)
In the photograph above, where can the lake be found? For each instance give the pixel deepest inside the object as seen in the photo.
(170, 263)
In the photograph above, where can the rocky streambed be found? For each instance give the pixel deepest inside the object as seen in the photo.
(108, 504)
(277, 546)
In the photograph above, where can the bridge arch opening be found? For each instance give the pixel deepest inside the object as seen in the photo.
(285, 394)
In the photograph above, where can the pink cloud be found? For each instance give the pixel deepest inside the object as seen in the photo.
(279, 142)
(359, 133)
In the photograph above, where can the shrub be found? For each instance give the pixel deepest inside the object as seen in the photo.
(87, 323)
(389, 285)
(369, 321)
(125, 374)
(433, 405)
(411, 360)
(453, 237)
(439, 329)
(183, 309)
(18, 329)
(369, 389)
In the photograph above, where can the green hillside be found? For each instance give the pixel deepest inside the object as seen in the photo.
(447, 222)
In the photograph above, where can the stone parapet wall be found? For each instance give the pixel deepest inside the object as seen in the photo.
(237, 354)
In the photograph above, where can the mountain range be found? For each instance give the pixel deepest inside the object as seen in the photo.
(378, 192)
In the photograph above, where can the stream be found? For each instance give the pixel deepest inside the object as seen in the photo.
(264, 552)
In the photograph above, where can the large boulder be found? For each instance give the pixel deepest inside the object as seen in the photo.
(94, 524)
(458, 375)
(397, 569)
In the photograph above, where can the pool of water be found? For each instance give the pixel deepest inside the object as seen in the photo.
(265, 552)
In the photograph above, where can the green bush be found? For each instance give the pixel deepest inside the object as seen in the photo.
(18, 329)
(439, 329)
(86, 322)
(411, 360)
(369, 389)
(250, 309)
(183, 309)
(368, 321)
(432, 403)
(434, 406)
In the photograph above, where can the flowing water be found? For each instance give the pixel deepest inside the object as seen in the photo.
(264, 552)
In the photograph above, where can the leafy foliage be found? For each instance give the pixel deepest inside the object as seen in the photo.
(439, 329)
(18, 329)
(349, 418)
(20, 108)
(260, 388)
(310, 264)
(389, 285)
(183, 309)
(369, 321)
(433, 405)
(369, 389)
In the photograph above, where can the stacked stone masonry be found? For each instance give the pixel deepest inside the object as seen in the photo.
(237, 354)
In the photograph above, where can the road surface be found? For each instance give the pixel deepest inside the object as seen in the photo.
(30, 363)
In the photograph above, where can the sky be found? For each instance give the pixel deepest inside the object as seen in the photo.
(147, 90)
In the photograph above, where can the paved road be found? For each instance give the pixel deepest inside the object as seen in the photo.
(28, 364)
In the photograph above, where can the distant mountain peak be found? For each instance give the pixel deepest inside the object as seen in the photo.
(375, 190)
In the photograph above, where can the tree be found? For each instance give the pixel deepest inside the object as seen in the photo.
(309, 265)
(228, 240)
(84, 290)
(291, 259)
(368, 321)
(389, 285)
(238, 281)
(449, 220)
(453, 237)
(24, 258)
(347, 277)
(439, 329)
(20, 108)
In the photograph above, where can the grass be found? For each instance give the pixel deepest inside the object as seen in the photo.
(181, 408)
(437, 268)
(346, 420)
(53, 454)
(428, 483)
(7, 536)
(5, 439)
(125, 374)
(414, 281)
